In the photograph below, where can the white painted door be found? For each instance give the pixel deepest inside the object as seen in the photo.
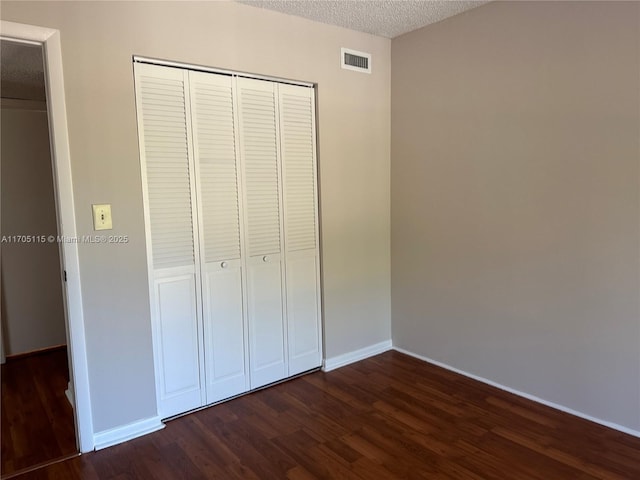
(231, 212)
(215, 141)
(175, 318)
(224, 340)
(302, 259)
(266, 342)
(162, 102)
(258, 118)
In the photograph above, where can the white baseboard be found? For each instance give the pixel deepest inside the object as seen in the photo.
(70, 397)
(113, 436)
(355, 356)
(528, 396)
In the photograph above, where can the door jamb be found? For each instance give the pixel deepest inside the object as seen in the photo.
(69, 257)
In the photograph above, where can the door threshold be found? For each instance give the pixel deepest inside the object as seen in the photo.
(257, 389)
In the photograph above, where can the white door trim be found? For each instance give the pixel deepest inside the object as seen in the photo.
(54, 79)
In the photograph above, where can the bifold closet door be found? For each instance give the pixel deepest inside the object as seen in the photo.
(258, 117)
(215, 149)
(302, 259)
(162, 102)
(231, 215)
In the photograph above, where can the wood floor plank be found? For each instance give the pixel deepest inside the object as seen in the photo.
(387, 417)
(37, 419)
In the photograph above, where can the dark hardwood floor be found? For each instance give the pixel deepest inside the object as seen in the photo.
(37, 419)
(388, 417)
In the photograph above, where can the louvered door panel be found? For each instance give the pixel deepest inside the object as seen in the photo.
(258, 138)
(162, 102)
(299, 170)
(214, 137)
(215, 148)
(302, 273)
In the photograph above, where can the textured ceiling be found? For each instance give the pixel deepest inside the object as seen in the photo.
(21, 71)
(385, 18)
(21, 68)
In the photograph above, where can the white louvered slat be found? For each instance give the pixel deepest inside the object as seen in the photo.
(215, 150)
(297, 140)
(260, 157)
(161, 96)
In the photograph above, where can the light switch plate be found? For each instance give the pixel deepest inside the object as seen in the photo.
(102, 217)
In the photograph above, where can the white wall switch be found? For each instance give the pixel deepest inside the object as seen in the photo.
(102, 217)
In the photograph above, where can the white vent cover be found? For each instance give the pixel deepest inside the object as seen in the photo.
(354, 60)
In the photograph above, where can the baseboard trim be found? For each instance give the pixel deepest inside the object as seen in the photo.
(70, 397)
(38, 351)
(519, 393)
(113, 436)
(355, 356)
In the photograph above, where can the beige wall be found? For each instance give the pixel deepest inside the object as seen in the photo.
(515, 199)
(32, 309)
(98, 41)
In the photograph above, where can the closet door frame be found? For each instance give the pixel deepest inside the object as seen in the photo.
(196, 214)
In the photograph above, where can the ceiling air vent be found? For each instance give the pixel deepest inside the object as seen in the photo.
(354, 60)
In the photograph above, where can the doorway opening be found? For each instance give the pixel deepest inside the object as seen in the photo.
(37, 402)
(49, 40)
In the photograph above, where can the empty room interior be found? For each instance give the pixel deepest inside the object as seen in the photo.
(329, 239)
